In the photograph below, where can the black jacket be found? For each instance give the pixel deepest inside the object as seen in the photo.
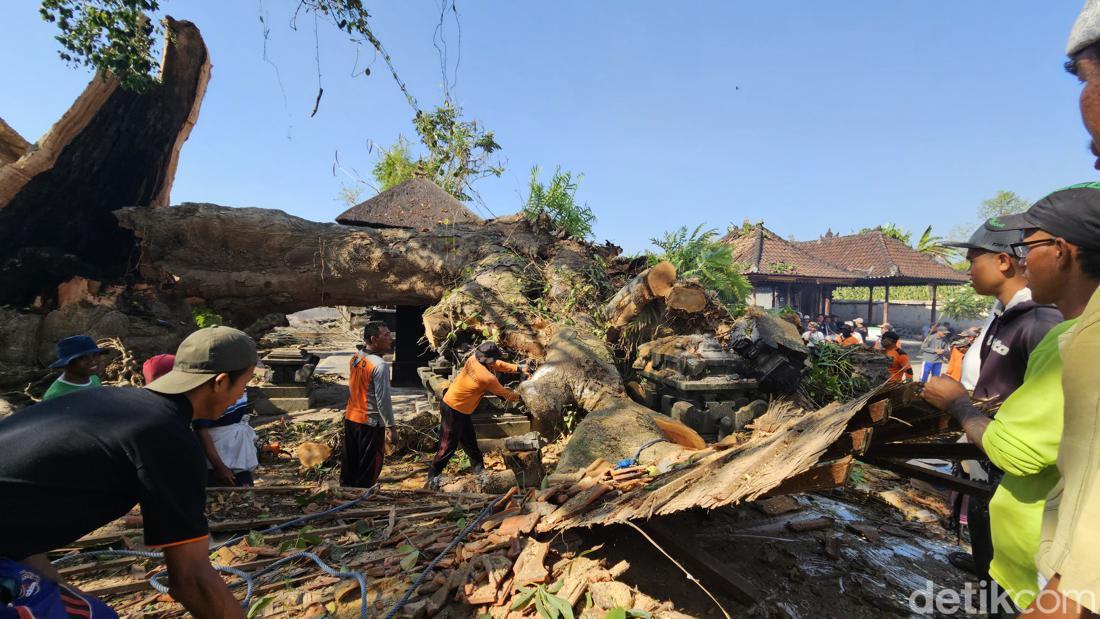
(1007, 345)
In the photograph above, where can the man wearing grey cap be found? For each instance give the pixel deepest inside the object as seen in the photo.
(73, 464)
(994, 368)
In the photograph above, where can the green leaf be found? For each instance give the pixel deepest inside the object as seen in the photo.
(405, 549)
(615, 613)
(560, 605)
(555, 587)
(259, 605)
(523, 598)
(409, 560)
(540, 604)
(255, 538)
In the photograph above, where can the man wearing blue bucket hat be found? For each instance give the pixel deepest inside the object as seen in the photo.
(80, 357)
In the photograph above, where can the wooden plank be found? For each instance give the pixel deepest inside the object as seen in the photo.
(247, 525)
(958, 484)
(263, 489)
(683, 546)
(854, 442)
(874, 413)
(903, 395)
(910, 451)
(96, 566)
(821, 477)
(120, 589)
(898, 431)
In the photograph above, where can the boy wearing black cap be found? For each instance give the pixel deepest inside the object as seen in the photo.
(1026, 438)
(459, 403)
(81, 357)
(994, 366)
(73, 464)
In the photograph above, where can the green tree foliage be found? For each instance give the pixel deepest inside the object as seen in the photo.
(1001, 204)
(932, 246)
(118, 36)
(115, 36)
(702, 255)
(395, 165)
(558, 200)
(832, 376)
(964, 303)
(458, 153)
(893, 231)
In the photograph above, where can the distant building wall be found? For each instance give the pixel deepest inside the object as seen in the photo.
(910, 316)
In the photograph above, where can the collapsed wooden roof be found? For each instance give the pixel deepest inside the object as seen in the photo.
(417, 203)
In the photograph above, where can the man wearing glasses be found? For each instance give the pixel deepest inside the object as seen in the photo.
(995, 365)
(1023, 438)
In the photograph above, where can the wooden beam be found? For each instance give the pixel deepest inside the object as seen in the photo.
(958, 484)
(683, 546)
(874, 413)
(96, 566)
(934, 287)
(910, 451)
(821, 477)
(886, 306)
(870, 305)
(899, 431)
(854, 442)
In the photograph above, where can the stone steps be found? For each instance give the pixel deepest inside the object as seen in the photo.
(285, 391)
(280, 406)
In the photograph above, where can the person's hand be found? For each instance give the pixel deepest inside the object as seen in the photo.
(940, 391)
(225, 474)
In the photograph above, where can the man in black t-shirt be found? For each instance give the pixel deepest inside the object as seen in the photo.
(75, 463)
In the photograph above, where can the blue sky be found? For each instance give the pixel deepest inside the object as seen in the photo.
(808, 115)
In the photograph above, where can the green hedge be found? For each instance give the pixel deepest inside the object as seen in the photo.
(898, 293)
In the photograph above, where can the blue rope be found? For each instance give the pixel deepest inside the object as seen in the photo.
(488, 509)
(625, 462)
(244, 576)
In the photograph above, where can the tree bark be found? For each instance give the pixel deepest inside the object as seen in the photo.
(649, 285)
(12, 145)
(113, 148)
(248, 262)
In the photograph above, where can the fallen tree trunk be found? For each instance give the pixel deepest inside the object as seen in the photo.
(649, 285)
(248, 262)
(112, 148)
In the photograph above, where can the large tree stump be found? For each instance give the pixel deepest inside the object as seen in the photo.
(113, 148)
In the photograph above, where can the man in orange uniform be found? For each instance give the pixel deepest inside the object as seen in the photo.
(901, 370)
(369, 421)
(458, 405)
(847, 338)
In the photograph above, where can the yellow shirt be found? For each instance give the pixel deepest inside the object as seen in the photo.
(1071, 522)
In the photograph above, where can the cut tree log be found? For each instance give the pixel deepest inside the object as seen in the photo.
(649, 285)
(112, 148)
(687, 297)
